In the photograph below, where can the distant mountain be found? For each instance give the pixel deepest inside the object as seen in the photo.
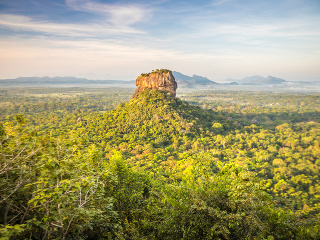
(180, 76)
(182, 80)
(230, 80)
(259, 80)
(58, 81)
(316, 83)
(195, 80)
(232, 83)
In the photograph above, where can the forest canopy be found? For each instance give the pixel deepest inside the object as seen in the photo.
(90, 164)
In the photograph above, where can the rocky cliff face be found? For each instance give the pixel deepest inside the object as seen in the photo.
(160, 80)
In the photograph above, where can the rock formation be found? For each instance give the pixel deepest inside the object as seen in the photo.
(160, 79)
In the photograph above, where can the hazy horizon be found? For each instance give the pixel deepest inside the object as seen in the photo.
(222, 81)
(118, 40)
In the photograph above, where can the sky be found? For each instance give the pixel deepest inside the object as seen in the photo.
(120, 39)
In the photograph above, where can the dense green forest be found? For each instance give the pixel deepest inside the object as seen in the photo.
(92, 164)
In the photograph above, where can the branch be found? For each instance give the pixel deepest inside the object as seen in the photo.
(3, 170)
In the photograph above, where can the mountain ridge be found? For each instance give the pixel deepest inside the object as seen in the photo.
(60, 80)
(184, 81)
(187, 81)
(258, 80)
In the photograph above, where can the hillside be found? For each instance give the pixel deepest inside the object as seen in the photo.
(150, 116)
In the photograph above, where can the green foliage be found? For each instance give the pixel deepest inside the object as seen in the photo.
(20, 119)
(228, 204)
(158, 167)
(52, 186)
(217, 127)
(68, 188)
(155, 71)
(7, 232)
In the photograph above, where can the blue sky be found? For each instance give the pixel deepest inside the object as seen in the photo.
(100, 39)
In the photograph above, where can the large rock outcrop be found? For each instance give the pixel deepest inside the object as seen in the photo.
(159, 79)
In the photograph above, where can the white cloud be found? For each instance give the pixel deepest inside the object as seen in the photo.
(23, 23)
(108, 19)
(263, 29)
(219, 2)
(44, 56)
(118, 15)
(53, 56)
(202, 44)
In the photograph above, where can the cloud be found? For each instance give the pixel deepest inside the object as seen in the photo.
(54, 56)
(282, 34)
(42, 56)
(219, 2)
(117, 15)
(24, 23)
(203, 39)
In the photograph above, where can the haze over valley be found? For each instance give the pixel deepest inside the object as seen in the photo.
(185, 82)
